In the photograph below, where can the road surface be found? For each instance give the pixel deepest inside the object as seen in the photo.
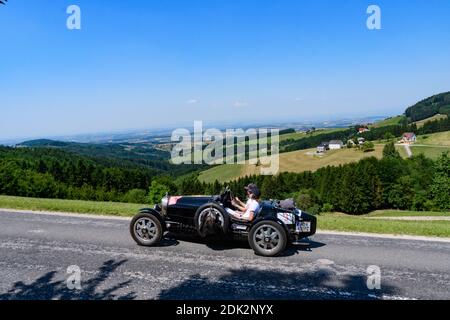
(37, 249)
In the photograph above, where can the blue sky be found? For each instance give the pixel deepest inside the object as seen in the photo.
(144, 64)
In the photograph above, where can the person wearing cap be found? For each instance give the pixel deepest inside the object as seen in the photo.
(246, 211)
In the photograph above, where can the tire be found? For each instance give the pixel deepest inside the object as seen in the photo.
(223, 216)
(267, 238)
(146, 230)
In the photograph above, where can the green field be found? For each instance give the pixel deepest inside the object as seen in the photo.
(389, 122)
(302, 135)
(440, 139)
(296, 161)
(432, 152)
(433, 118)
(73, 206)
(432, 145)
(341, 222)
(400, 213)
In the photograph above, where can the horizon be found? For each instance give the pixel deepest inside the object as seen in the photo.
(164, 131)
(165, 64)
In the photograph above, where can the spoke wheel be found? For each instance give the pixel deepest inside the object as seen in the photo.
(268, 238)
(146, 230)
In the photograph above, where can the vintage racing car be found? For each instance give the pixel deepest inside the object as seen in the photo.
(273, 227)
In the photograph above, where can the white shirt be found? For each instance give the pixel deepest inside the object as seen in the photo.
(251, 205)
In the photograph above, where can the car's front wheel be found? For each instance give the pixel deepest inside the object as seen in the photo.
(146, 230)
(267, 238)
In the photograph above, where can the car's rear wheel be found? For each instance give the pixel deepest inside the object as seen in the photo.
(146, 230)
(216, 213)
(267, 238)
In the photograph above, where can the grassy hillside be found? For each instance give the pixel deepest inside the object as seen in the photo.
(432, 145)
(420, 123)
(302, 135)
(141, 155)
(432, 152)
(390, 121)
(440, 139)
(437, 104)
(296, 161)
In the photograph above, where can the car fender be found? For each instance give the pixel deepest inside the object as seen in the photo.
(156, 214)
(270, 218)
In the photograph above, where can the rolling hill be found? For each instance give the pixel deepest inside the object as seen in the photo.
(141, 155)
(429, 107)
(296, 154)
(296, 161)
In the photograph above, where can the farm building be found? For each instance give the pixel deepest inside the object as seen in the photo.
(324, 146)
(336, 144)
(409, 137)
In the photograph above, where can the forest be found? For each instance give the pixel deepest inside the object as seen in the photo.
(437, 104)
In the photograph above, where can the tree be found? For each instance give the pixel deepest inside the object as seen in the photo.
(135, 196)
(368, 146)
(440, 188)
(388, 136)
(401, 194)
(157, 192)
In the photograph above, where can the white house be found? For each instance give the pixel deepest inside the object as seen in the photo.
(409, 137)
(361, 141)
(323, 147)
(336, 144)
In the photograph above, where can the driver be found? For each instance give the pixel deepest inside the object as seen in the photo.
(246, 211)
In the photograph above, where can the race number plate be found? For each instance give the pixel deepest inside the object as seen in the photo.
(303, 226)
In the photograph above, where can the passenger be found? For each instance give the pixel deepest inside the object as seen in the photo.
(246, 211)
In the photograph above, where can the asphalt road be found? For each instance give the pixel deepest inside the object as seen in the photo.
(36, 250)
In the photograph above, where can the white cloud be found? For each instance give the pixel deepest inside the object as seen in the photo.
(241, 104)
(192, 101)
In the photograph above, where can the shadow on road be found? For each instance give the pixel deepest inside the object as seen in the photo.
(48, 288)
(223, 244)
(252, 284)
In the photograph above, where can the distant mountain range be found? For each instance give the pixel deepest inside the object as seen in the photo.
(436, 104)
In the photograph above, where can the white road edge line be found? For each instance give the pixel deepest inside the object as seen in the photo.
(383, 236)
(67, 214)
(319, 232)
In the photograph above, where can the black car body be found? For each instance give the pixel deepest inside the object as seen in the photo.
(273, 226)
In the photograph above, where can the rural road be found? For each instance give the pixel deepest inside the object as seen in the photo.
(37, 249)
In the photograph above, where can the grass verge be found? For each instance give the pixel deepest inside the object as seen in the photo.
(74, 206)
(342, 222)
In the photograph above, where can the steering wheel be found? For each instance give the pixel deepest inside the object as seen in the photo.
(227, 195)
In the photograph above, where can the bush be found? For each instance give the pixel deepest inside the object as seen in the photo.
(315, 209)
(327, 207)
(135, 196)
(368, 146)
(157, 192)
(304, 200)
(440, 187)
